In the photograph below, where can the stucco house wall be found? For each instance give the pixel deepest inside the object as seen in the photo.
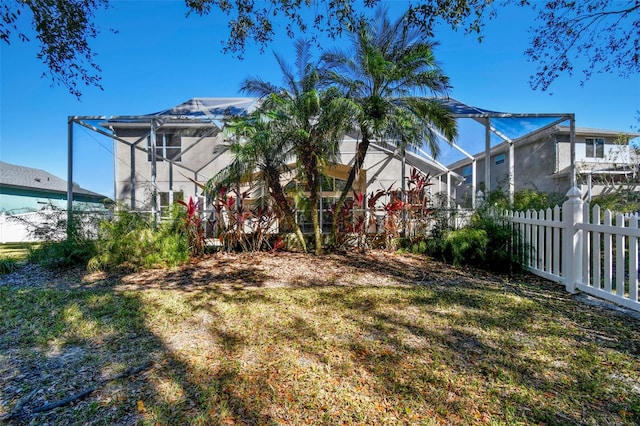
(380, 170)
(196, 154)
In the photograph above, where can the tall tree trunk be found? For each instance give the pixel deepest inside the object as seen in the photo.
(313, 180)
(277, 192)
(316, 228)
(361, 153)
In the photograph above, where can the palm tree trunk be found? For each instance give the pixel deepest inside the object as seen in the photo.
(315, 211)
(316, 229)
(314, 179)
(282, 204)
(361, 153)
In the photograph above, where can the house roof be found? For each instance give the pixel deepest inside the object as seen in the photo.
(599, 132)
(22, 177)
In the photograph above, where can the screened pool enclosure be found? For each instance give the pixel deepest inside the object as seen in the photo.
(160, 157)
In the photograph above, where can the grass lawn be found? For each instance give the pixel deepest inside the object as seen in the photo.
(16, 250)
(274, 339)
(12, 255)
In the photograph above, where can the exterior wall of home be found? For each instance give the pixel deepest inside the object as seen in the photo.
(543, 164)
(197, 162)
(614, 153)
(563, 149)
(379, 171)
(382, 170)
(17, 200)
(536, 165)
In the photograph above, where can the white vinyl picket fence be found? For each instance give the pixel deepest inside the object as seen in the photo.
(583, 248)
(48, 225)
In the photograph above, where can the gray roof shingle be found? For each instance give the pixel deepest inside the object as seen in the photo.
(15, 176)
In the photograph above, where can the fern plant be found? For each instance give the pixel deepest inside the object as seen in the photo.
(137, 241)
(467, 246)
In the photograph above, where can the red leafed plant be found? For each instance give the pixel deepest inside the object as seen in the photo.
(352, 224)
(419, 214)
(193, 227)
(237, 225)
(390, 213)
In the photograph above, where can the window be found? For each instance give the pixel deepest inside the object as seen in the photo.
(168, 146)
(467, 174)
(595, 147)
(331, 184)
(164, 199)
(500, 159)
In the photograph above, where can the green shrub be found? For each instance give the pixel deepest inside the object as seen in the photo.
(135, 241)
(487, 243)
(63, 254)
(435, 246)
(531, 199)
(523, 200)
(8, 265)
(619, 201)
(76, 249)
(419, 247)
(466, 246)
(501, 255)
(497, 199)
(416, 245)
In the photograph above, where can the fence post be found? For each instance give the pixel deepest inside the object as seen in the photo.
(479, 200)
(572, 240)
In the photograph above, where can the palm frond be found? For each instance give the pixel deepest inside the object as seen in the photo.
(257, 87)
(288, 76)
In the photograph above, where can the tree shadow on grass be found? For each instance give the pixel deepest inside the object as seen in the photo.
(530, 317)
(60, 343)
(518, 341)
(227, 348)
(486, 334)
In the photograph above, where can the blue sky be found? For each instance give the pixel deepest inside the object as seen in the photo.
(160, 58)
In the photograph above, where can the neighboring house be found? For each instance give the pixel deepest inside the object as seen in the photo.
(159, 156)
(25, 191)
(542, 161)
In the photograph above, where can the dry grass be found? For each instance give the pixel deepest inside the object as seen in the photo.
(292, 339)
(16, 250)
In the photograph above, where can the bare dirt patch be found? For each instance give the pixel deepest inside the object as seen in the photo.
(232, 271)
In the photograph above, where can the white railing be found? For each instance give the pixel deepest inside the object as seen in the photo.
(583, 248)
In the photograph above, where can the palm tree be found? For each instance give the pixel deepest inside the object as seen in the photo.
(259, 153)
(318, 119)
(389, 66)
